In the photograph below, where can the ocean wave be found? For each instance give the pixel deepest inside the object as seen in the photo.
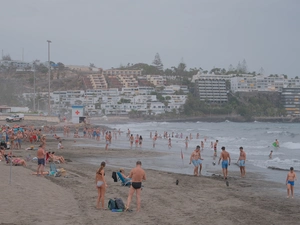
(286, 133)
(277, 163)
(290, 145)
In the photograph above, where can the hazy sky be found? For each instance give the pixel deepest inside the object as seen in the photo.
(205, 33)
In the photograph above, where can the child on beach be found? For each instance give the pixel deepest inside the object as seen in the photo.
(270, 155)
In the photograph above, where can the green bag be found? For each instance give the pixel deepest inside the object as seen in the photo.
(112, 204)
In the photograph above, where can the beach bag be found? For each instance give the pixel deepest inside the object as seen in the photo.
(119, 203)
(114, 176)
(112, 204)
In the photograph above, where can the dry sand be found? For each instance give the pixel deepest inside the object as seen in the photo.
(196, 200)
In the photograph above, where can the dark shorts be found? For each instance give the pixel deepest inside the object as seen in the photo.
(41, 162)
(136, 185)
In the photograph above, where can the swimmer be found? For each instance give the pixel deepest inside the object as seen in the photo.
(170, 143)
(277, 143)
(270, 155)
(186, 142)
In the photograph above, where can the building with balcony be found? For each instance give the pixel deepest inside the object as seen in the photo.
(290, 98)
(98, 81)
(117, 72)
(211, 90)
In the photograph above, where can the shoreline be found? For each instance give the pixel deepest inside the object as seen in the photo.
(72, 199)
(217, 119)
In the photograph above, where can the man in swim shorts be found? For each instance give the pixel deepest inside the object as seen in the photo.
(41, 159)
(242, 160)
(137, 175)
(225, 157)
(196, 160)
(290, 181)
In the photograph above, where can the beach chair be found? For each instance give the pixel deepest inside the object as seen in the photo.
(53, 169)
(124, 182)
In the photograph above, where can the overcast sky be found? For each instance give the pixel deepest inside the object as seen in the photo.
(205, 33)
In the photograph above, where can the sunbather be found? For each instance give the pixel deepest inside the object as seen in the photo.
(57, 158)
(122, 172)
(56, 137)
(16, 161)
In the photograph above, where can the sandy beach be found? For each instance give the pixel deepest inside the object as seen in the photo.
(195, 200)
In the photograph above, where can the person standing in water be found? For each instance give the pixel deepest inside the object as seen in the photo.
(196, 160)
(215, 148)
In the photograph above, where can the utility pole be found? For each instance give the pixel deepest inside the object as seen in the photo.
(49, 74)
(34, 86)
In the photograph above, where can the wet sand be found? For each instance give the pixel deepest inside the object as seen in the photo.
(195, 200)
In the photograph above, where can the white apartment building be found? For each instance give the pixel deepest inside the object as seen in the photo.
(292, 83)
(143, 98)
(243, 84)
(16, 64)
(269, 83)
(122, 109)
(102, 92)
(156, 108)
(260, 83)
(137, 91)
(212, 90)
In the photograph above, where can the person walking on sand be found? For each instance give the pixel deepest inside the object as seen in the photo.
(196, 160)
(101, 185)
(290, 182)
(225, 157)
(242, 160)
(137, 175)
(41, 160)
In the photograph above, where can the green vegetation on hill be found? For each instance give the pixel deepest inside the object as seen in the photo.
(248, 105)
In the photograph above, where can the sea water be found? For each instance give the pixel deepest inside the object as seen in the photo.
(256, 138)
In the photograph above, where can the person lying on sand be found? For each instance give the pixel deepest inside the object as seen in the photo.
(56, 137)
(31, 148)
(16, 161)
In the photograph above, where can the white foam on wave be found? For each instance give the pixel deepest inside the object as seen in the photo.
(275, 132)
(290, 145)
(278, 163)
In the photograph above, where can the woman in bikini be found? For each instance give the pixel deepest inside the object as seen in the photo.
(100, 185)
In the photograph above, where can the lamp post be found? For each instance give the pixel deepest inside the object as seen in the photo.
(34, 86)
(49, 110)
